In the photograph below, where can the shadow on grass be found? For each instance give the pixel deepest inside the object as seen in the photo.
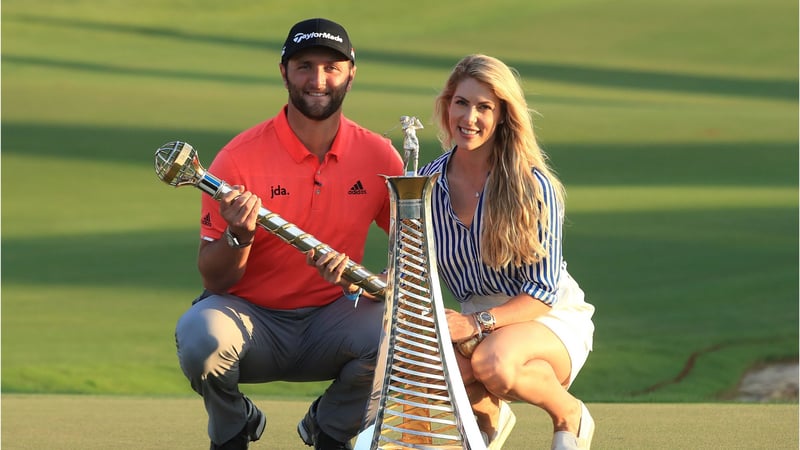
(167, 258)
(105, 144)
(776, 89)
(723, 163)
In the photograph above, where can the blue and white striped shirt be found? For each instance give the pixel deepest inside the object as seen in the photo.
(458, 247)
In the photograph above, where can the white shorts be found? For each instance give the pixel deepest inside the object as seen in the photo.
(570, 319)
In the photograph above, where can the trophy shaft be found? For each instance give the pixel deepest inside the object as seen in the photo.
(177, 164)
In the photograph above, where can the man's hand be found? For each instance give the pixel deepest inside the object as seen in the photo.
(330, 267)
(239, 208)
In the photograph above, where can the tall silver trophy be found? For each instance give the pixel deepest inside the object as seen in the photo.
(422, 403)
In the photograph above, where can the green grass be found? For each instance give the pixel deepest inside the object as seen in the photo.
(674, 126)
(122, 422)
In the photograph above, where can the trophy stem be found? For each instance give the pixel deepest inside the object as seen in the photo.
(422, 402)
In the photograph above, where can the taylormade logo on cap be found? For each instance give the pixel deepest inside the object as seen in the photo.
(317, 32)
(300, 37)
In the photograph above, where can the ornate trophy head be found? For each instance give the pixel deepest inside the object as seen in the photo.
(177, 164)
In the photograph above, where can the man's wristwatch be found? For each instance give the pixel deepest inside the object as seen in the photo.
(486, 321)
(233, 241)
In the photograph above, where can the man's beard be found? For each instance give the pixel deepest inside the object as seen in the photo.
(318, 111)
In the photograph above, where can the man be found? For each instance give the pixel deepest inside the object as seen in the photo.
(269, 312)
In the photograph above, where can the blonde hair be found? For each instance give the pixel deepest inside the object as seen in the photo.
(515, 212)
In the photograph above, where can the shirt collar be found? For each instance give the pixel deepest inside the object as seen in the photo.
(295, 147)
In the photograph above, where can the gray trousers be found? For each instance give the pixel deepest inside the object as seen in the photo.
(224, 340)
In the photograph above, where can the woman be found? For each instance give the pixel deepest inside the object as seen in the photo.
(498, 211)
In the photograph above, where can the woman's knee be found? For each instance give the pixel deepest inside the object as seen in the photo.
(492, 370)
(501, 372)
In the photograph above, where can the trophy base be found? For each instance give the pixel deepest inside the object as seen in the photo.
(365, 438)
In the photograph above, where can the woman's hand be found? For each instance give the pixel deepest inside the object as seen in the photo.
(462, 326)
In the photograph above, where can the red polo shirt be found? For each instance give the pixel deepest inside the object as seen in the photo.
(335, 200)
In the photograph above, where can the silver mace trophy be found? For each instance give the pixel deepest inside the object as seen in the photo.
(177, 164)
(421, 399)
